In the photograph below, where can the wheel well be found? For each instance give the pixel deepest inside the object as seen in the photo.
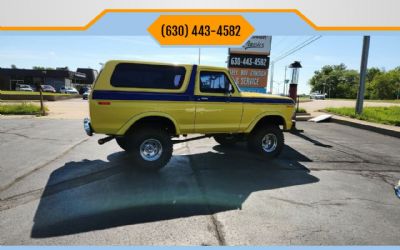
(154, 121)
(270, 119)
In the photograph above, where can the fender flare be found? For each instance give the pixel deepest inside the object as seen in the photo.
(261, 116)
(135, 118)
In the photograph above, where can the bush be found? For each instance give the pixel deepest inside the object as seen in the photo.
(20, 109)
(385, 115)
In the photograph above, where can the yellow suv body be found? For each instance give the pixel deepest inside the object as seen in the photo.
(179, 100)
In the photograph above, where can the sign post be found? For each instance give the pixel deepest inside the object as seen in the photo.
(363, 74)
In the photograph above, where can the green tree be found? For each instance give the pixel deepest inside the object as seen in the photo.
(42, 68)
(336, 81)
(385, 85)
(38, 68)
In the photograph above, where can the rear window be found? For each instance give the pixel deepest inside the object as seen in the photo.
(147, 76)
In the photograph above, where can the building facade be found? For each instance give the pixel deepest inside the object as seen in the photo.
(60, 77)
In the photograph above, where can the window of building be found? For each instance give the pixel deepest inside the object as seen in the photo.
(134, 75)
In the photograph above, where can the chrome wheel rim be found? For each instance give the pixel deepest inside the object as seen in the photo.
(269, 143)
(151, 149)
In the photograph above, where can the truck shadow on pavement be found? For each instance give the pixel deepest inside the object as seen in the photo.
(93, 195)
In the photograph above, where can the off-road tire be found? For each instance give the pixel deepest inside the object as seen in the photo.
(121, 141)
(226, 140)
(137, 139)
(255, 141)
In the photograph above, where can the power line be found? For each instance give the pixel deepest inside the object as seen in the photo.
(288, 53)
(289, 45)
(297, 48)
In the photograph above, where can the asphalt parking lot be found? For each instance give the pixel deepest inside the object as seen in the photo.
(333, 185)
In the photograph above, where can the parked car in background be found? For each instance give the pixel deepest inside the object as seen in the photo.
(48, 88)
(85, 95)
(69, 90)
(317, 96)
(24, 87)
(83, 90)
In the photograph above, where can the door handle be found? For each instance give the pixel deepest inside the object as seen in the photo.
(203, 98)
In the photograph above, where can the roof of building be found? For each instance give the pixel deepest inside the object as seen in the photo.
(43, 73)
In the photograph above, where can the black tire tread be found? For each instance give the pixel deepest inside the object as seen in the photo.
(136, 138)
(254, 141)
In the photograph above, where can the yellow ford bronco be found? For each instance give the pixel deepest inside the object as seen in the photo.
(146, 106)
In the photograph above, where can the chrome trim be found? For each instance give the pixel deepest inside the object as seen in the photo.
(87, 127)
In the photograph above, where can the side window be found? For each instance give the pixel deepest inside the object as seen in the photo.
(214, 82)
(134, 75)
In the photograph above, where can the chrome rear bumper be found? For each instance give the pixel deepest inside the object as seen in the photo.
(87, 127)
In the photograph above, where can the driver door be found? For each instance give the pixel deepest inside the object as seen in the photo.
(216, 108)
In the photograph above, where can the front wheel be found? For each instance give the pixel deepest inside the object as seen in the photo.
(267, 141)
(150, 148)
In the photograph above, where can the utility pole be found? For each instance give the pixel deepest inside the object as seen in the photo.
(363, 74)
(271, 84)
(284, 82)
(39, 86)
(199, 55)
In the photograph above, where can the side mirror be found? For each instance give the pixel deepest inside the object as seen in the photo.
(228, 89)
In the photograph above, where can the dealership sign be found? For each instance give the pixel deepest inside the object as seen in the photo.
(248, 61)
(250, 78)
(255, 45)
(249, 65)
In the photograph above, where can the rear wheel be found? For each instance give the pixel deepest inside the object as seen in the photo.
(267, 141)
(151, 148)
(226, 140)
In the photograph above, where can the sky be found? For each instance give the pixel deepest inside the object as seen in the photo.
(90, 51)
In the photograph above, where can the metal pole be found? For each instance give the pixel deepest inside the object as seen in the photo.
(271, 84)
(363, 73)
(199, 55)
(284, 82)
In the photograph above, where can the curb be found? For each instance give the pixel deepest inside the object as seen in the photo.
(372, 128)
(303, 118)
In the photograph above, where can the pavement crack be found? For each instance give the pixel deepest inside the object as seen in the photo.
(19, 178)
(23, 198)
(380, 176)
(292, 202)
(358, 153)
(28, 137)
(20, 199)
(218, 230)
(217, 226)
(330, 202)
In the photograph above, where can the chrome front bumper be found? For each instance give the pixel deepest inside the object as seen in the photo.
(87, 127)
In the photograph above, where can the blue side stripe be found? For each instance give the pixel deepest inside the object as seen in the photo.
(124, 95)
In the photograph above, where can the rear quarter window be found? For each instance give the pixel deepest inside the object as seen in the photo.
(134, 75)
